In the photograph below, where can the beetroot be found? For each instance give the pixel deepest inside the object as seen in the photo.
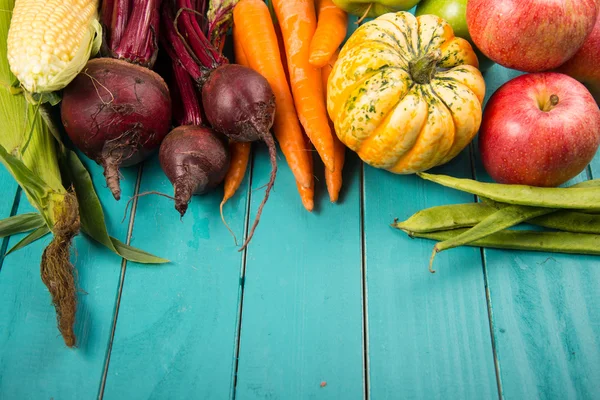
(239, 103)
(195, 159)
(116, 113)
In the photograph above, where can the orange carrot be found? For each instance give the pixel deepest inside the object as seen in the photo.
(331, 31)
(258, 39)
(334, 179)
(240, 154)
(238, 50)
(282, 51)
(307, 195)
(298, 22)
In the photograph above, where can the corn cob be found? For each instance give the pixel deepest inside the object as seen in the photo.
(50, 41)
(29, 151)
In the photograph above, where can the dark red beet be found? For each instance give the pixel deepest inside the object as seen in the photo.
(239, 103)
(195, 159)
(117, 114)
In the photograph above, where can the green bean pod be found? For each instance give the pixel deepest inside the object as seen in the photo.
(570, 221)
(551, 242)
(450, 216)
(501, 219)
(453, 216)
(584, 198)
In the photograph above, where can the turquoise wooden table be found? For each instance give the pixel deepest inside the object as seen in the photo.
(329, 305)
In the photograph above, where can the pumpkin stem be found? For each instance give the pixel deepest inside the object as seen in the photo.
(422, 69)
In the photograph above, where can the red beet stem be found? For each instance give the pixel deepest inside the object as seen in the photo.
(192, 42)
(106, 16)
(139, 42)
(268, 139)
(187, 25)
(120, 16)
(176, 46)
(192, 115)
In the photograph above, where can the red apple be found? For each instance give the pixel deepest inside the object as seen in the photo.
(530, 35)
(539, 129)
(585, 64)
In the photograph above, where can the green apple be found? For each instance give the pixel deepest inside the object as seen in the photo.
(372, 9)
(455, 13)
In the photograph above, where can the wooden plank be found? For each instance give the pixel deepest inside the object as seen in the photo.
(177, 323)
(546, 309)
(302, 308)
(35, 362)
(429, 334)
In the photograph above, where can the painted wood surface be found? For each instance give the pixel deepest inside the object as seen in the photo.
(545, 310)
(34, 360)
(178, 322)
(429, 335)
(302, 309)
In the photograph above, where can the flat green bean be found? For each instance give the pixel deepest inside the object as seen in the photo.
(571, 221)
(552, 242)
(450, 216)
(501, 219)
(584, 198)
(562, 220)
(453, 216)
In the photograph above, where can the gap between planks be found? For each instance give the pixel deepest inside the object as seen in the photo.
(121, 284)
(238, 331)
(13, 212)
(365, 298)
(488, 299)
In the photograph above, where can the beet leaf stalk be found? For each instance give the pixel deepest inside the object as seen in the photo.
(117, 110)
(237, 101)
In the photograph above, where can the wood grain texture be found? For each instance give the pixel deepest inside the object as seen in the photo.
(429, 335)
(302, 309)
(34, 360)
(178, 322)
(546, 313)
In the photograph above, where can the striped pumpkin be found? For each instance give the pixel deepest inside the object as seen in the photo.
(405, 93)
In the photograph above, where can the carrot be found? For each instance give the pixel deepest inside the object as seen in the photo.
(307, 195)
(259, 42)
(240, 154)
(331, 31)
(238, 50)
(298, 22)
(333, 179)
(282, 51)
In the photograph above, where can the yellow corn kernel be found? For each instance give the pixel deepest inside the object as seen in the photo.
(50, 41)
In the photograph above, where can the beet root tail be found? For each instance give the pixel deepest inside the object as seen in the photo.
(273, 156)
(113, 180)
(183, 194)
